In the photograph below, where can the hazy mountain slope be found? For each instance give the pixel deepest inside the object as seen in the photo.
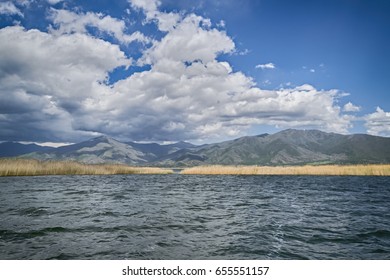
(155, 152)
(108, 150)
(97, 150)
(289, 147)
(13, 149)
(361, 148)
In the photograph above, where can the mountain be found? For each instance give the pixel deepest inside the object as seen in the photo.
(14, 149)
(97, 150)
(154, 151)
(288, 147)
(104, 149)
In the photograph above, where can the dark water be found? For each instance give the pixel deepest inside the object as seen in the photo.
(194, 217)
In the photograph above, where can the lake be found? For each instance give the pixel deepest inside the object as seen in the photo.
(194, 217)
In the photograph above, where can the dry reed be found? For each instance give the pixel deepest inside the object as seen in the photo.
(340, 170)
(31, 167)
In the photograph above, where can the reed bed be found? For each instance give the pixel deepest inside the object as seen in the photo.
(31, 167)
(336, 170)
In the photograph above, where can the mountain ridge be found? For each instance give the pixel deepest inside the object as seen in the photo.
(287, 147)
(14, 149)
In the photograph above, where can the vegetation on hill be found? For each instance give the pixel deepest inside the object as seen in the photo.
(287, 147)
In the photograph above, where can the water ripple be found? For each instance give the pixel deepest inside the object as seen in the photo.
(194, 217)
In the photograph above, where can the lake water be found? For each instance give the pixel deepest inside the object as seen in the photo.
(194, 217)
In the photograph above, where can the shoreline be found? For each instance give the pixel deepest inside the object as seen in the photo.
(314, 170)
(32, 167)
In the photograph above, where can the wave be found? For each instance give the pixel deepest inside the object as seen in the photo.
(380, 233)
(16, 235)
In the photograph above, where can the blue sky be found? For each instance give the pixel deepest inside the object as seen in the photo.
(201, 71)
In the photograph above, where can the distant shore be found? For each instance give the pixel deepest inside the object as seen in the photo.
(32, 167)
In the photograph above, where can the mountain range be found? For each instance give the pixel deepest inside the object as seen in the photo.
(287, 147)
(14, 149)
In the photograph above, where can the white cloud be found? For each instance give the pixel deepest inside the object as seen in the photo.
(312, 70)
(349, 107)
(68, 22)
(47, 144)
(190, 41)
(24, 3)
(242, 52)
(210, 101)
(53, 2)
(8, 8)
(147, 5)
(53, 85)
(265, 66)
(221, 24)
(267, 82)
(165, 21)
(378, 123)
(46, 80)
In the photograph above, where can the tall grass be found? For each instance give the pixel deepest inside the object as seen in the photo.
(31, 167)
(351, 170)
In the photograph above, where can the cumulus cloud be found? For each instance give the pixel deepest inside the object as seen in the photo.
(349, 107)
(54, 87)
(165, 21)
(190, 41)
(148, 5)
(67, 22)
(45, 81)
(265, 66)
(8, 8)
(203, 101)
(378, 123)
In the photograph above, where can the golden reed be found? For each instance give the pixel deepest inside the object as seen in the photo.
(31, 167)
(350, 170)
